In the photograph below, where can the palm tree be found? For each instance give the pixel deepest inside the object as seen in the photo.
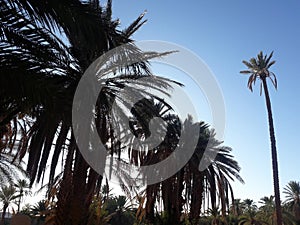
(249, 206)
(250, 215)
(190, 187)
(215, 216)
(213, 185)
(23, 188)
(39, 73)
(10, 169)
(267, 212)
(143, 112)
(7, 196)
(41, 210)
(292, 192)
(267, 203)
(258, 68)
(237, 207)
(121, 210)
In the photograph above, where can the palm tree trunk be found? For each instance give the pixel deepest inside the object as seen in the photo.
(179, 199)
(151, 193)
(3, 214)
(296, 211)
(196, 196)
(274, 155)
(19, 200)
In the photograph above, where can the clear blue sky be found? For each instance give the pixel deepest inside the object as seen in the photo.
(223, 33)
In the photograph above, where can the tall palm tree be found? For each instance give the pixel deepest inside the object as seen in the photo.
(7, 196)
(258, 68)
(39, 73)
(23, 188)
(292, 194)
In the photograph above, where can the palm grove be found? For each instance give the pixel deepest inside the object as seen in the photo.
(45, 48)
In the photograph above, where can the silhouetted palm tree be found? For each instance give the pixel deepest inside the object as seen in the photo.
(7, 196)
(189, 187)
(258, 68)
(292, 194)
(122, 211)
(39, 73)
(40, 210)
(23, 188)
(212, 185)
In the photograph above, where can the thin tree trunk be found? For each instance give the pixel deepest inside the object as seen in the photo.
(151, 193)
(179, 199)
(3, 214)
(19, 201)
(274, 155)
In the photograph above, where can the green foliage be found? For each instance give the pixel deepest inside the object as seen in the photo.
(116, 210)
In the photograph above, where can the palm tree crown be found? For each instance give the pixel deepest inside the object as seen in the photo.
(7, 195)
(39, 74)
(259, 68)
(23, 188)
(292, 192)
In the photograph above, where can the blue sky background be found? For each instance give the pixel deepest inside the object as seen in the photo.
(223, 33)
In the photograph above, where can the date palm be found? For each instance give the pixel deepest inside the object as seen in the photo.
(258, 68)
(7, 196)
(268, 204)
(23, 188)
(190, 188)
(10, 169)
(267, 212)
(39, 73)
(292, 193)
(237, 207)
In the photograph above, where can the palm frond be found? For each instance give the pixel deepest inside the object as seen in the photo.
(269, 58)
(245, 71)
